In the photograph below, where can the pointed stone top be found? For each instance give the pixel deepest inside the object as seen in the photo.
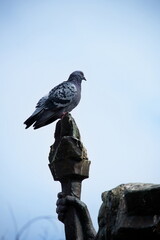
(67, 127)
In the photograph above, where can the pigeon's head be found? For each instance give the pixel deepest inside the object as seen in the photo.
(77, 75)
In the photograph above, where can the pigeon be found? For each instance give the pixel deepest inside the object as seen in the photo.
(60, 100)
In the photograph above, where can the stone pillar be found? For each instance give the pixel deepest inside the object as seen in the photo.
(69, 164)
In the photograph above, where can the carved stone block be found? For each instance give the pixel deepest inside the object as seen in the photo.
(130, 212)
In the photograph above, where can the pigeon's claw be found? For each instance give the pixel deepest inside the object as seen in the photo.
(64, 114)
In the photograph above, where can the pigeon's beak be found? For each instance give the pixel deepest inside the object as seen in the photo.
(84, 78)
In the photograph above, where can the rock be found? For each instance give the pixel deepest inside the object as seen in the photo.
(130, 211)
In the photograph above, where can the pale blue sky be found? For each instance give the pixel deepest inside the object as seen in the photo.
(117, 46)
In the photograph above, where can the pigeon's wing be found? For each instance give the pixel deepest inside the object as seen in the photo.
(41, 102)
(40, 105)
(57, 103)
(51, 106)
(61, 96)
(38, 111)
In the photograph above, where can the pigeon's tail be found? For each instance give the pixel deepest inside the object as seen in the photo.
(39, 124)
(42, 118)
(33, 118)
(45, 119)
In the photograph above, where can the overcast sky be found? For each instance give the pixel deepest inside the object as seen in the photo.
(116, 43)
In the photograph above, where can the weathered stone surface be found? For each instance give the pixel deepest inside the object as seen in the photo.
(68, 156)
(130, 211)
(64, 128)
(69, 164)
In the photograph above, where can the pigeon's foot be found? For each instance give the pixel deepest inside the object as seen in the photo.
(64, 114)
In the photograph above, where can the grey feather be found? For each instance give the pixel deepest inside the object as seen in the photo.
(60, 100)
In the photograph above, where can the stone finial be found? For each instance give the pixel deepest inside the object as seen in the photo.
(68, 156)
